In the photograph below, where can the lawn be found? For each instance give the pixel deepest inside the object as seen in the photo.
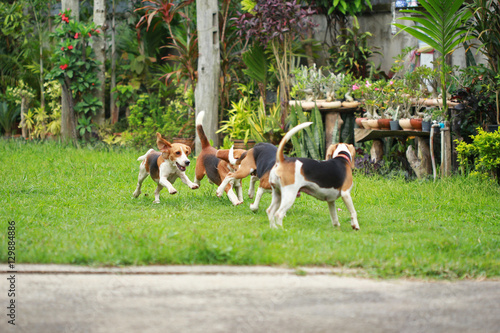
(75, 206)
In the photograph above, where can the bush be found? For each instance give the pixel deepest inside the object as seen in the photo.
(483, 153)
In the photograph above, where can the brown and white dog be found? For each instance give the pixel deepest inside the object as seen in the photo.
(215, 164)
(257, 162)
(165, 166)
(325, 180)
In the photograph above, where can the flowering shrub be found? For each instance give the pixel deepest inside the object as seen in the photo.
(75, 66)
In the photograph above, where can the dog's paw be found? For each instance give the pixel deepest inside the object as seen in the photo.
(173, 191)
(156, 201)
(253, 207)
(194, 186)
(136, 194)
(219, 192)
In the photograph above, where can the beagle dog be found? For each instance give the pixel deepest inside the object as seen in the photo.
(215, 164)
(257, 162)
(165, 166)
(325, 180)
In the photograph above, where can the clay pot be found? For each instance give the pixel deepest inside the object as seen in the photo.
(384, 124)
(358, 122)
(416, 124)
(405, 124)
(373, 123)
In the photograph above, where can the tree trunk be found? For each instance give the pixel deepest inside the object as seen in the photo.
(114, 111)
(68, 122)
(207, 88)
(100, 52)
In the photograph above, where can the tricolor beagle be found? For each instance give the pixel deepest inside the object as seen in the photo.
(257, 162)
(165, 166)
(215, 164)
(324, 180)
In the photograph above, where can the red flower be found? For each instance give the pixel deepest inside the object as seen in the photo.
(97, 31)
(62, 48)
(76, 35)
(63, 67)
(70, 47)
(90, 35)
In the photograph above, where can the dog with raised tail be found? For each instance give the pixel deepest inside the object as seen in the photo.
(216, 165)
(257, 162)
(165, 166)
(325, 180)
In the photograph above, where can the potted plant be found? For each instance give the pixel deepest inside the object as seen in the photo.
(238, 125)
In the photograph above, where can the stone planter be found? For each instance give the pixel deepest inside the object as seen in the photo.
(405, 124)
(364, 122)
(373, 124)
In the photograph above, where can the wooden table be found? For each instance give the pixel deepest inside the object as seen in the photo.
(362, 134)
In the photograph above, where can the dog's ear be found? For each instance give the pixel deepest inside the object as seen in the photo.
(163, 145)
(188, 150)
(352, 150)
(331, 150)
(223, 154)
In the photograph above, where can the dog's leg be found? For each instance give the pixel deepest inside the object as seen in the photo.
(251, 189)
(185, 180)
(165, 183)
(239, 189)
(288, 196)
(333, 214)
(143, 174)
(233, 198)
(227, 180)
(273, 207)
(255, 205)
(157, 193)
(346, 196)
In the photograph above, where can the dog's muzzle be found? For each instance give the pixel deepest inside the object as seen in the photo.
(183, 167)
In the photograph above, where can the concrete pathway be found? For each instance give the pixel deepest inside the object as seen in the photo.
(57, 298)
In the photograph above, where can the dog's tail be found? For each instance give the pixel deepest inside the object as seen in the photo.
(201, 133)
(280, 157)
(143, 157)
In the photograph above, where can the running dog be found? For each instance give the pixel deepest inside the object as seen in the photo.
(214, 163)
(257, 162)
(165, 166)
(325, 180)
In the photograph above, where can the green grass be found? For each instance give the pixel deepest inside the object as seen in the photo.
(75, 206)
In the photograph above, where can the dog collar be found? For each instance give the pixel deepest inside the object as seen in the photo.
(344, 155)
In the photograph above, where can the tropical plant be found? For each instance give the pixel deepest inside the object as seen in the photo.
(9, 114)
(75, 67)
(238, 125)
(266, 125)
(310, 142)
(277, 23)
(257, 67)
(442, 26)
(353, 55)
(485, 27)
